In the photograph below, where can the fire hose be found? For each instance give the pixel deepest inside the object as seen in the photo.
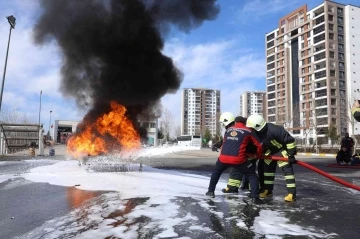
(329, 176)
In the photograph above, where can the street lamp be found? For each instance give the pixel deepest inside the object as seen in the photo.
(40, 106)
(50, 123)
(11, 20)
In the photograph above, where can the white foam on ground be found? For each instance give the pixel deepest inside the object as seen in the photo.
(156, 151)
(162, 188)
(6, 177)
(278, 225)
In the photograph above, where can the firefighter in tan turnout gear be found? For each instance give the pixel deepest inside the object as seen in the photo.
(277, 142)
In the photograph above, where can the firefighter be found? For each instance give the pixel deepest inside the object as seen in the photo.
(355, 110)
(236, 138)
(235, 180)
(277, 142)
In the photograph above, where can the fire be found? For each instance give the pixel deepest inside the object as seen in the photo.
(99, 137)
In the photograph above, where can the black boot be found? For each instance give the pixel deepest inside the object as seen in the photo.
(257, 201)
(210, 194)
(230, 190)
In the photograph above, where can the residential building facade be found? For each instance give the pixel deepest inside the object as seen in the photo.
(308, 78)
(200, 109)
(252, 102)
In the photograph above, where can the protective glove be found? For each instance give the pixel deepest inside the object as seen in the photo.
(292, 160)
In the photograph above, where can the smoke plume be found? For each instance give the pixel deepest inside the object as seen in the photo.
(112, 49)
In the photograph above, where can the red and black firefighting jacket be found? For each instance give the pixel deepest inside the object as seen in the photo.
(276, 139)
(236, 140)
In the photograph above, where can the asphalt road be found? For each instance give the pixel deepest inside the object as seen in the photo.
(26, 205)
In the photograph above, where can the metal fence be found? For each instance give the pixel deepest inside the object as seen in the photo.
(18, 137)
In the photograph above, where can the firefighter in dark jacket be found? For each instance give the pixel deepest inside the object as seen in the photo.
(277, 142)
(355, 110)
(236, 138)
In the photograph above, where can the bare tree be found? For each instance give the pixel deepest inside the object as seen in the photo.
(177, 131)
(13, 116)
(166, 122)
(352, 120)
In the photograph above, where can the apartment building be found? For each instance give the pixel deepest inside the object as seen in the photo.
(311, 69)
(200, 109)
(252, 102)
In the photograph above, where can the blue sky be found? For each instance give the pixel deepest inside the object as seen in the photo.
(226, 54)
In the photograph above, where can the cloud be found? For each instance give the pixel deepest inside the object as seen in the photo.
(31, 68)
(253, 10)
(224, 64)
(220, 65)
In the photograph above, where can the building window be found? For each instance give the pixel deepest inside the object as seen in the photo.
(340, 20)
(339, 11)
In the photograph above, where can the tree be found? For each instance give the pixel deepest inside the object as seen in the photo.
(333, 135)
(177, 131)
(206, 136)
(352, 120)
(13, 116)
(166, 121)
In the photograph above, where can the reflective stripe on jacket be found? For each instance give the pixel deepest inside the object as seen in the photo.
(276, 139)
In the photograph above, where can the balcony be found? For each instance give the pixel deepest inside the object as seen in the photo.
(270, 59)
(271, 88)
(320, 65)
(319, 56)
(320, 93)
(270, 66)
(270, 44)
(318, 12)
(321, 112)
(320, 84)
(319, 20)
(270, 37)
(319, 38)
(319, 47)
(271, 81)
(319, 29)
(271, 74)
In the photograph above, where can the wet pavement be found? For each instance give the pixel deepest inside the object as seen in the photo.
(40, 210)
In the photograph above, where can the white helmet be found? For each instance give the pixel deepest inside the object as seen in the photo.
(256, 122)
(226, 118)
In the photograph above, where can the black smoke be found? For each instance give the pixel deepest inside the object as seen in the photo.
(112, 49)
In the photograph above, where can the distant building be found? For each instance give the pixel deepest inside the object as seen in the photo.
(252, 102)
(62, 128)
(151, 126)
(200, 109)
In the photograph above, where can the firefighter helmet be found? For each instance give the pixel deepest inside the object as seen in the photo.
(227, 118)
(256, 122)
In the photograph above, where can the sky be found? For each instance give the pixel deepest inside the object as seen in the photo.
(165, 191)
(225, 54)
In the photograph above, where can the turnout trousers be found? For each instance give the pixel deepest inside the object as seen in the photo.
(236, 179)
(270, 169)
(246, 169)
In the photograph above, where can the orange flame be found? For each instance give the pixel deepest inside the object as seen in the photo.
(115, 124)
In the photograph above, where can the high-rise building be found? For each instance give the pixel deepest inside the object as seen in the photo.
(252, 102)
(311, 69)
(200, 109)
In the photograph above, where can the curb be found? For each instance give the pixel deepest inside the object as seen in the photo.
(312, 154)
